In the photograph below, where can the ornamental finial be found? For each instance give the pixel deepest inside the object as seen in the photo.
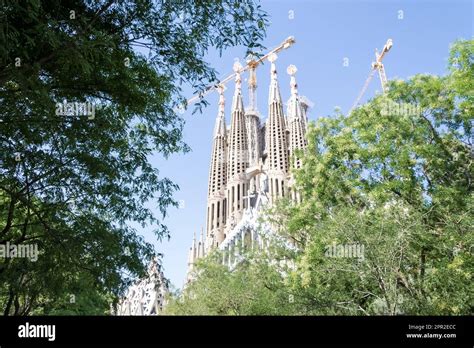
(272, 57)
(291, 70)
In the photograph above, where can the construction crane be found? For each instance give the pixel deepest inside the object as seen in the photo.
(376, 66)
(251, 64)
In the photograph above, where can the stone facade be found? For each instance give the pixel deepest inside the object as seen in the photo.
(146, 296)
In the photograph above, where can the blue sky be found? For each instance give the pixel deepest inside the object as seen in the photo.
(326, 33)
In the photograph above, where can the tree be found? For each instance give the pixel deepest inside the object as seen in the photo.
(254, 287)
(72, 176)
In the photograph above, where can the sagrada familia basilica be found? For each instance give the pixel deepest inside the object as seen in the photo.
(251, 165)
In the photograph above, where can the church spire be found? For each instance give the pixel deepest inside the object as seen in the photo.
(201, 249)
(296, 118)
(253, 120)
(217, 179)
(193, 249)
(297, 127)
(276, 138)
(237, 164)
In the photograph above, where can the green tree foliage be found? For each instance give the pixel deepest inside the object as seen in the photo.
(395, 179)
(72, 184)
(254, 287)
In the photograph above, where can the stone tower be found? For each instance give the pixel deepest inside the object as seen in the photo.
(253, 120)
(237, 154)
(216, 201)
(297, 124)
(296, 120)
(276, 139)
(255, 142)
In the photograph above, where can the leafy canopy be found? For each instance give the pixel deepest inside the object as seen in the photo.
(72, 184)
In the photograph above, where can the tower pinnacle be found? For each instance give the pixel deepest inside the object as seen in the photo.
(219, 128)
(296, 119)
(217, 180)
(291, 70)
(237, 103)
(274, 94)
(237, 152)
(276, 138)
